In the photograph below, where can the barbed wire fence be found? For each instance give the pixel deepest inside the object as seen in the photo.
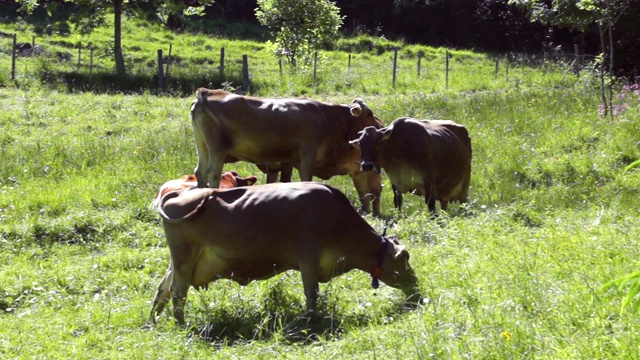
(399, 70)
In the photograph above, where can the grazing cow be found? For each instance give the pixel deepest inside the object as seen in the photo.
(227, 180)
(229, 127)
(427, 157)
(256, 232)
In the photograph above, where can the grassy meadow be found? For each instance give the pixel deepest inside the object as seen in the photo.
(517, 272)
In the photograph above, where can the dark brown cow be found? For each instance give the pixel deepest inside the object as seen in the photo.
(426, 157)
(229, 127)
(256, 232)
(227, 180)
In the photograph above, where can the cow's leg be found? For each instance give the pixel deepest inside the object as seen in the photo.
(430, 195)
(214, 170)
(397, 198)
(179, 288)
(203, 160)
(286, 169)
(309, 274)
(444, 205)
(307, 160)
(162, 296)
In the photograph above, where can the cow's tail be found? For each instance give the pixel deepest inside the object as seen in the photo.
(171, 220)
(201, 102)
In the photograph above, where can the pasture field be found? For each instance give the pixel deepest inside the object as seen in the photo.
(517, 272)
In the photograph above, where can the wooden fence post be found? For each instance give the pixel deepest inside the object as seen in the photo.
(576, 60)
(495, 74)
(33, 43)
(13, 58)
(160, 68)
(221, 64)
(395, 64)
(280, 66)
(79, 53)
(446, 70)
(90, 61)
(349, 63)
(315, 66)
(166, 73)
(245, 74)
(419, 60)
(506, 66)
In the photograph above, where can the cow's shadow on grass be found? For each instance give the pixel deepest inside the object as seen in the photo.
(282, 316)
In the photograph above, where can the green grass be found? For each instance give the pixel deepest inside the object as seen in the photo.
(515, 273)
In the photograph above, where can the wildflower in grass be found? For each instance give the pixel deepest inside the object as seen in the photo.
(506, 335)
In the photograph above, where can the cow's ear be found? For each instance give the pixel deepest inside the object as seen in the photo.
(385, 132)
(251, 180)
(397, 250)
(355, 109)
(355, 143)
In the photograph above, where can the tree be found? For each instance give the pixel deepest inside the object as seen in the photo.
(300, 26)
(93, 13)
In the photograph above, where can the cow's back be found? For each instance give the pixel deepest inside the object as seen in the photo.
(257, 219)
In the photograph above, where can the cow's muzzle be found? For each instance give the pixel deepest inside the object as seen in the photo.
(369, 166)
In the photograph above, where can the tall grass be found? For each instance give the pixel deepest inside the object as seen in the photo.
(515, 273)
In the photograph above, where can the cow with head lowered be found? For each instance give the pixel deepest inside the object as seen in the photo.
(303, 132)
(252, 233)
(425, 157)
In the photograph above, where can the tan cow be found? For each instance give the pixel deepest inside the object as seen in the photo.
(256, 232)
(426, 157)
(345, 161)
(227, 180)
(229, 127)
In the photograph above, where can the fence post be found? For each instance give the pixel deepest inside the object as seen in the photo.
(160, 67)
(245, 74)
(280, 66)
(222, 64)
(506, 66)
(79, 53)
(349, 63)
(90, 61)
(446, 70)
(495, 74)
(578, 66)
(13, 58)
(33, 43)
(395, 63)
(315, 66)
(419, 60)
(166, 73)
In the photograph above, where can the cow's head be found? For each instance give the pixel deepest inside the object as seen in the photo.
(396, 271)
(232, 179)
(362, 117)
(368, 142)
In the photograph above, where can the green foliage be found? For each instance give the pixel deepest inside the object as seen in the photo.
(301, 27)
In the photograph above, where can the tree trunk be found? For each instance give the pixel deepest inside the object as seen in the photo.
(117, 38)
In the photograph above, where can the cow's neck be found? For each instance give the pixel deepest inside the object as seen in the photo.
(377, 270)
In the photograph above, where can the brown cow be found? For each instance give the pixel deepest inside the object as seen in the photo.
(227, 180)
(427, 157)
(256, 232)
(345, 161)
(229, 127)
